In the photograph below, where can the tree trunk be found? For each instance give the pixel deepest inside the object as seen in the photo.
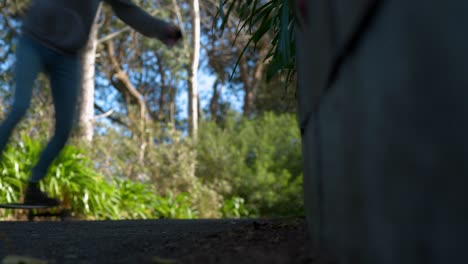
(86, 100)
(193, 71)
(252, 82)
(214, 102)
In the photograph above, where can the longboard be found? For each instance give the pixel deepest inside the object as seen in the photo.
(23, 206)
(62, 213)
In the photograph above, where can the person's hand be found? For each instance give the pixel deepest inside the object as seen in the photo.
(173, 36)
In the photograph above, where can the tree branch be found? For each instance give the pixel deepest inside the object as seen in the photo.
(104, 115)
(113, 119)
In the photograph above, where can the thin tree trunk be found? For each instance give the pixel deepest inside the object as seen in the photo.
(193, 72)
(252, 83)
(162, 116)
(193, 79)
(85, 130)
(214, 102)
(248, 87)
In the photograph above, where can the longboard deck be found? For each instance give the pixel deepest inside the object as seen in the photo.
(24, 206)
(32, 210)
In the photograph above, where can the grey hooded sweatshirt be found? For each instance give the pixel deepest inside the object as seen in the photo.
(64, 25)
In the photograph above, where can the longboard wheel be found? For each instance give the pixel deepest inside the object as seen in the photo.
(30, 215)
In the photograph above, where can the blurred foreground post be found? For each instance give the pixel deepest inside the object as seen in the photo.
(383, 108)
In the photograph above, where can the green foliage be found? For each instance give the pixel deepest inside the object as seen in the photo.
(178, 206)
(234, 208)
(165, 164)
(11, 184)
(274, 96)
(139, 201)
(136, 199)
(244, 168)
(72, 177)
(261, 18)
(258, 160)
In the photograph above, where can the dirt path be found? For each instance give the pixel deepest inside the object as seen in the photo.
(160, 241)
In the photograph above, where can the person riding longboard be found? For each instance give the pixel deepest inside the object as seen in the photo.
(53, 34)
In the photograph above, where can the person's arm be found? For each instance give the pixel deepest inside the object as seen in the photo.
(143, 22)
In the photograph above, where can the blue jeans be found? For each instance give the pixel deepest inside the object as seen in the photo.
(64, 71)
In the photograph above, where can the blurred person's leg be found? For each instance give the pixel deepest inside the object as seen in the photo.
(28, 65)
(65, 78)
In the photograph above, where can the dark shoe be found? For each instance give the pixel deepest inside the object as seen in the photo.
(34, 196)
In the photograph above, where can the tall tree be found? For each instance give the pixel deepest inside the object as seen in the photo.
(193, 72)
(85, 126)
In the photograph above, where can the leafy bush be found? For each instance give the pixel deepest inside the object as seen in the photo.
(139, 201)
(175, 206)
(244, 168)
(234, 208)
(167, 166)
(72, 177)
(258, 160)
